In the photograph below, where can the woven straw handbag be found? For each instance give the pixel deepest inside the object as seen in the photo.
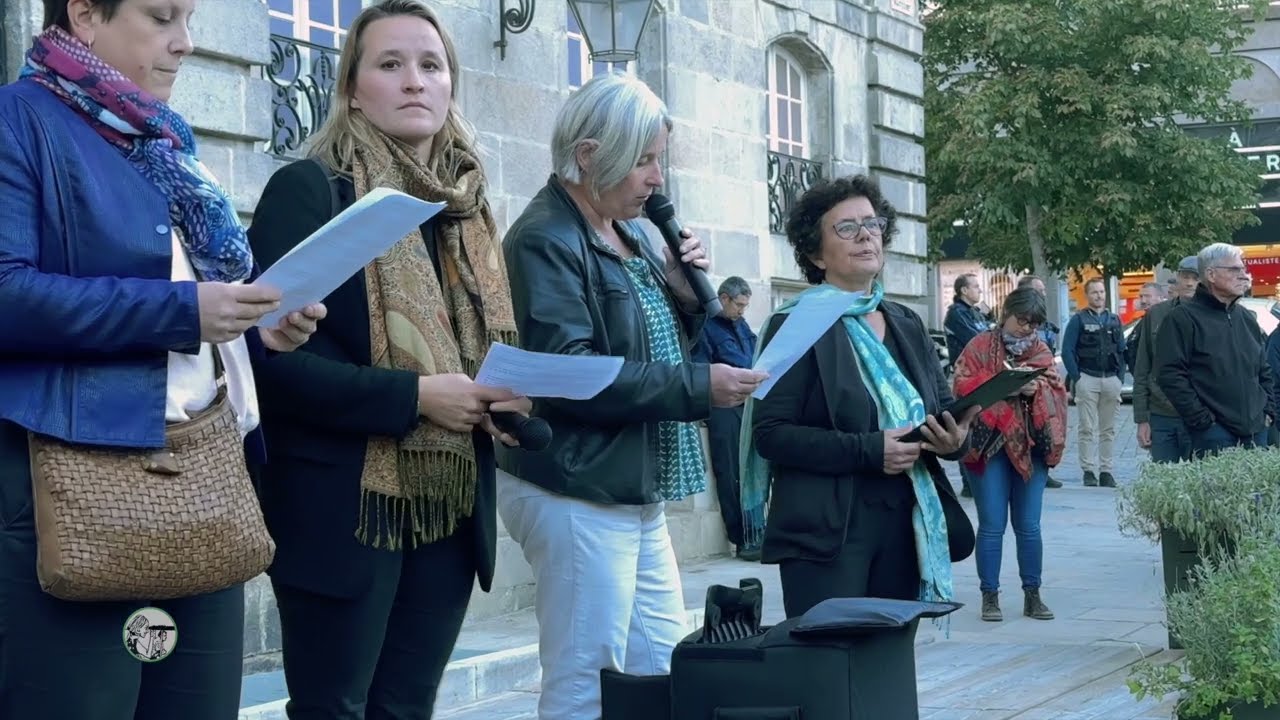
(117, 524)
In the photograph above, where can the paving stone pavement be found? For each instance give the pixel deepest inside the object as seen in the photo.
(1105, 589)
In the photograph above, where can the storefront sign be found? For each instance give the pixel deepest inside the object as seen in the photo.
(1259, 143)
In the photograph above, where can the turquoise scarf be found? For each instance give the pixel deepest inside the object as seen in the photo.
(899, 405)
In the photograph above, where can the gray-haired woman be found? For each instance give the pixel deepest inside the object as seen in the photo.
(588, 510)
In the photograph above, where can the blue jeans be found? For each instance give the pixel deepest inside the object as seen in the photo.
(999, 489)
(1170, 441)
(1216, 438)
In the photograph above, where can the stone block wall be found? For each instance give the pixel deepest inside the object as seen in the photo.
(896, 118)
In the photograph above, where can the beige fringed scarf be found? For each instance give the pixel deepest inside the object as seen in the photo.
(426, 481)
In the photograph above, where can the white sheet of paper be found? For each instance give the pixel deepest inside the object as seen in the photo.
(806, 322)
(547, 375)
(340, 249)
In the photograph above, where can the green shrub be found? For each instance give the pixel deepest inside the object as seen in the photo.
(1210, 501)
(1229, 625)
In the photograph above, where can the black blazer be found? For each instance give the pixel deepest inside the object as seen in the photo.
(819, 430)
(319, 406)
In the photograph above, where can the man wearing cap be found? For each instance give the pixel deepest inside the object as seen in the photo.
(1160, 430)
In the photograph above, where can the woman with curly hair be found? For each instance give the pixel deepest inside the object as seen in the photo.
(857, 510)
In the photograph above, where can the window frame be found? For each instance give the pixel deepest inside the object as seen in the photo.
(777, 143)
(302, 23)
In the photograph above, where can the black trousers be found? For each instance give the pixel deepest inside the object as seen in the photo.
(723, 428)
(379, 656)
(878, 559)
(67, 660)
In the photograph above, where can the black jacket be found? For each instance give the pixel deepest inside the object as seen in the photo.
(819, 430)
(962, 324)
(322, 402)
(572, 296)
(1211, 363)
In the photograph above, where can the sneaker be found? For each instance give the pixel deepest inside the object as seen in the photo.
(991, 607)
(1106, 479)
(1090, 480)
(1051, 483)
(1033, 607)
(749, 553)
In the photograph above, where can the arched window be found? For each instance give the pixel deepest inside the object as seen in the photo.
(787, 95)
(323, 22)
(581, 69)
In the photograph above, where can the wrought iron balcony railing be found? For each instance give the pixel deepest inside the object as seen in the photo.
(788, 178)
(304, 75)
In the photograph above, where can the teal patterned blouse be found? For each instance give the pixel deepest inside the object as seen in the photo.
(681, 471)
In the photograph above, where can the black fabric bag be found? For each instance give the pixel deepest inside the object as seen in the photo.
(634, 697)
(845, 659)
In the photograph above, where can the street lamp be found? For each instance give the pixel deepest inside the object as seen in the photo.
(611, 28)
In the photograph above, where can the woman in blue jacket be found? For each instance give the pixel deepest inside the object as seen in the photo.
(121, 277)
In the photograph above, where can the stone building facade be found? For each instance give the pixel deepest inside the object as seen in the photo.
(765, 94)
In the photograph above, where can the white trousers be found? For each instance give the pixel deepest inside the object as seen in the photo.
(608, 591)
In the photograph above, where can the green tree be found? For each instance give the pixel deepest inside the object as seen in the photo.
(1052, 128)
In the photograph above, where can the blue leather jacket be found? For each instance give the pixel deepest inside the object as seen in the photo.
(87, 310)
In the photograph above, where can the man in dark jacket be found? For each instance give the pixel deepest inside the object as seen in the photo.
(728, 339)
(1160, 430)
(1048, 332)
(1213, 365)
(965, 319)
(1151, 295)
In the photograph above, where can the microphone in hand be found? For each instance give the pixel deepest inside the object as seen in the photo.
(663, 214)
(533, 433)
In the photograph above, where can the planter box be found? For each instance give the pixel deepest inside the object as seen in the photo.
(1180, 556)
(1243, 711)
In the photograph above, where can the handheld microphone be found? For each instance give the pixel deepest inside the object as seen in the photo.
(533, 433)
(663, 214)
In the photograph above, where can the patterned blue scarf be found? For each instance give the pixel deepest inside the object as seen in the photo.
(157, 140)
(899, 405)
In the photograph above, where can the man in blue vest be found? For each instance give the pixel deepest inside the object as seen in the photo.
(1093, 353)
(728, 339)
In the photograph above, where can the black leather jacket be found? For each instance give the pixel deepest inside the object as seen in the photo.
(572, 296)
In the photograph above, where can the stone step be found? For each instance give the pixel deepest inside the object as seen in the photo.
(497, 655)
(468, 682)
(520, 705)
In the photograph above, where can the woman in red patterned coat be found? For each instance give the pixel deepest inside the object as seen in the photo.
(1015, 442)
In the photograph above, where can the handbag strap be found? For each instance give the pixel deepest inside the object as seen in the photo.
(219, 369)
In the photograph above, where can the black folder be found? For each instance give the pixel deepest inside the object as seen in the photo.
(1000, 387)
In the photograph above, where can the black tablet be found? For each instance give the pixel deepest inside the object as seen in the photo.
(1000, 387)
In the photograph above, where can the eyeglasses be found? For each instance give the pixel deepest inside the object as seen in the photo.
(1237, 270)
(848, 229)
(1026, 324)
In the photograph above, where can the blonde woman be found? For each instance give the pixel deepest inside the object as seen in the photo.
(588, 511)
(379, 489)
